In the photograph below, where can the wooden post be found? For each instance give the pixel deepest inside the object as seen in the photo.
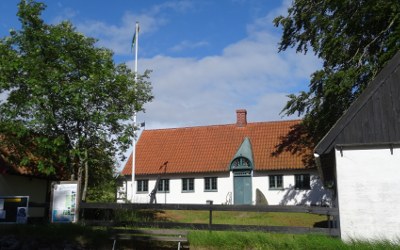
(328, 217)
(210, 202)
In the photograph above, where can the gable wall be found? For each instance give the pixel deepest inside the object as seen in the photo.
(378, 120)
(368, 193)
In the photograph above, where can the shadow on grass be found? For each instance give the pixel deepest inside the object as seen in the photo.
(322, 224)
(53, 236)
(146, 215)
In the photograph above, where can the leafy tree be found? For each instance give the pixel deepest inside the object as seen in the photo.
(354, 39)
(102, 182)
(66, 98)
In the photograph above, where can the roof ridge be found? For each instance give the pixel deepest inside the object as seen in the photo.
(223, 125)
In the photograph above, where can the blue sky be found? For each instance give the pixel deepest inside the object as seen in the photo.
(208, 57)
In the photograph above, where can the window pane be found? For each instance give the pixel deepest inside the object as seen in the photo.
(187, 184)
(271, 181)
(207, 183)
(279, 181)
(142, 185)
(160, 185)
(297, 181)
(191, 184)
(214, 183)
(166, 186)
(275, 181)
(184, 184)
(163, 185)
(306, 181)
(302, 181)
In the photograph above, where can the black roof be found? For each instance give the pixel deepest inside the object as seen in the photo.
(374, 117)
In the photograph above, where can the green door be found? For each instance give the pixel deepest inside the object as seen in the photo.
(242, 190)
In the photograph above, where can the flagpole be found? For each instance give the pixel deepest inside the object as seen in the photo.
(136, 41)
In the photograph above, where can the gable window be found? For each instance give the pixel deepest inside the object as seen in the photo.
(241, 162)
(163, 185)
(302, 181)
(210, 184)
(142, 186)
(188, 185)
(275, 182)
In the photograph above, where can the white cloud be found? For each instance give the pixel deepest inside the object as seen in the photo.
(178, 6)
(118, 37)
(67, 14)
(249, 73)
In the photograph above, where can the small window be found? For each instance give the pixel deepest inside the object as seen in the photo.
(210, 184)
(188, 185)
(142, 186)
(302, 181)
(163, 185)
(275, 182)
(241, 162)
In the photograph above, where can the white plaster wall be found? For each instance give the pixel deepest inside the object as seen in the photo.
(175, 194)
(12, 185)
(122, 192)
(288, 195)
(368, 193)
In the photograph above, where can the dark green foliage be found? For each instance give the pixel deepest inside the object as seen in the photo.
(354, 39)
(102, 177)
(67, 103)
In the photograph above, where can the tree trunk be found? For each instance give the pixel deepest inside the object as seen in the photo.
(86, 163)
(80, 170)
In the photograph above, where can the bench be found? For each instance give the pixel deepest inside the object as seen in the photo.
(149, 236)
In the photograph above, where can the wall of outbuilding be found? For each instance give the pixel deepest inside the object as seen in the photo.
(368, 192)
(16, 185)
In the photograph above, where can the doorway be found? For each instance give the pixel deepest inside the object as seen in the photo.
(242, 187)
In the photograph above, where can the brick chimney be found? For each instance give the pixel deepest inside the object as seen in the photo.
(241, 117)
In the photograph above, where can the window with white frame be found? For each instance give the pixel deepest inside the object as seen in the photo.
(302, 181)
(210, 184)
(163, 185)
(188, 185)
(275, 182)
(142, 186)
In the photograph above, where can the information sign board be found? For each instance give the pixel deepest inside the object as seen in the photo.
(14, 209)
(64, 202)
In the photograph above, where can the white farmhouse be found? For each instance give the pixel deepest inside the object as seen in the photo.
(226, 164)
(360, 158)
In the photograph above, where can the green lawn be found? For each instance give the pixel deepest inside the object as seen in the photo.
(71, 236)
(251, 240)
(81, 237)
(244, 218)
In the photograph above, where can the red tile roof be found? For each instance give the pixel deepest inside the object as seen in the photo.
(8, 166)
(211, 148)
